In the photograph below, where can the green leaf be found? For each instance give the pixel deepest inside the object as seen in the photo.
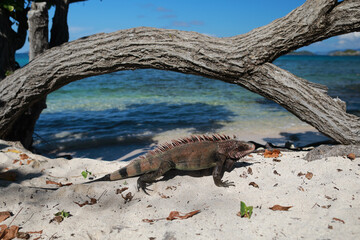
(250, 210)
(245, 211)
(63, 214)
(11, 8)
(8, 73)
(242, 209)
(85, 173)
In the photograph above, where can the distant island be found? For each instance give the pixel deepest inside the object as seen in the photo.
(301, 53)
(348, 52)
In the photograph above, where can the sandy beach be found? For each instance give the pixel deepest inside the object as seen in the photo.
(323, 195)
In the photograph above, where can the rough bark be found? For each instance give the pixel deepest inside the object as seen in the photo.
(38, 29)
(23, 127)
(325, 151)
(244, 60)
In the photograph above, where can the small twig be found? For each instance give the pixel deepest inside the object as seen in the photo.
(29, 218)
(52, 236)
(16, 216)
(105, 191)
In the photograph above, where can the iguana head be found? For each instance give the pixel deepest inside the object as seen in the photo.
(235, 149)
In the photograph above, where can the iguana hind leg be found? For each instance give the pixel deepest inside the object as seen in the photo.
(146, 179)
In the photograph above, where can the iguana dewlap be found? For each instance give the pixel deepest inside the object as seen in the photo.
(219, 152)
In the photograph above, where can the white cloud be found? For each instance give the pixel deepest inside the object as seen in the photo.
(162, 9)
(350, 40)
(74, 29)
(350, 36)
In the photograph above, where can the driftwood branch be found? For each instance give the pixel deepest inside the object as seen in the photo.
(244, 60)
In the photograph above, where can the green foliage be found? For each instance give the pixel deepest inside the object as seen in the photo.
(8, 73)
(63, 214)
(13, 5)
(86, 173)
(245, 211)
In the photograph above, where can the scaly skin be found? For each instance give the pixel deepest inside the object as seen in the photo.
(196, 153)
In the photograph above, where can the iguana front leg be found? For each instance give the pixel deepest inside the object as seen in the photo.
(150, 177)
(221, 165)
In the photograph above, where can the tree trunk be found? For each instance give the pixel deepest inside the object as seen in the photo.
(38, 29)
(10, 41)
(60, 30)
(23, 127)
(244, 60)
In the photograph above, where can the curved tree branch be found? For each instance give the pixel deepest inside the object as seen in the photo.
(314, 21)
(243, 60)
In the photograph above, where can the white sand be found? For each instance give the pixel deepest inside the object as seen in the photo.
(332, 192)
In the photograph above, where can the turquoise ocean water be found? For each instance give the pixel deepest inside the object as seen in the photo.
(130, 106)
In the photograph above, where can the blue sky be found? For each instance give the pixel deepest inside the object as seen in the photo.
(213, 17)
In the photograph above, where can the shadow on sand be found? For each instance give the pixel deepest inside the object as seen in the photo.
(298, 139)
(114, 133)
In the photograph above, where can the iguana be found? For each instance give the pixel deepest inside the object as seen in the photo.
(219, 152)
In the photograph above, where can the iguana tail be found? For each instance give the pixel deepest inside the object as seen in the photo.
(103, 179)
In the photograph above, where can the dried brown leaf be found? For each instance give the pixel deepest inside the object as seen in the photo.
(128, 197)
(339, 220)
(118, 191)
(300, 174)
(35, 232)
(57, 219)
(250, 171)
(92, 202)
(351, 156)
(276, 160)
(254, 184)
(23, 156)
(2, 230)
(271, 153)
(176, 215)
(301, 188)
(148, 220)
(7, 233)
(58, 183)
(309, 175)
(4, 215)
(280, 208)
(23, 235)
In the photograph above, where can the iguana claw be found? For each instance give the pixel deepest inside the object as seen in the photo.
(143, 186)
(227, 184)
